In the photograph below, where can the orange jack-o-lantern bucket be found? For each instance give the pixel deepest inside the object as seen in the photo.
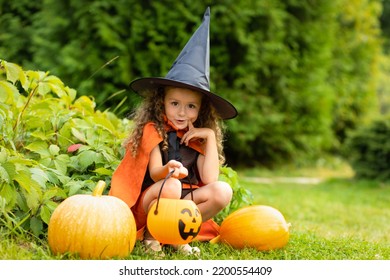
(174, 221)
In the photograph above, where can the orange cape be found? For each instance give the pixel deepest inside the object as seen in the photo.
(126, 182)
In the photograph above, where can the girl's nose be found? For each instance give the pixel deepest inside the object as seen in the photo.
(182, 110)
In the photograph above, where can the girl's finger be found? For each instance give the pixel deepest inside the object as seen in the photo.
(190, 125)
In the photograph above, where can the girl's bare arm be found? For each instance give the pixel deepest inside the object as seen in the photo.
(158, 171)
(208, 164)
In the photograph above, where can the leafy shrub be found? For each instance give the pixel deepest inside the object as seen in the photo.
(54, 145)
(241, 196)
(368, 150)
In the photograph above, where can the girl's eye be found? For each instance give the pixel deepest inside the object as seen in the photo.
(192, 106)
(174, 103)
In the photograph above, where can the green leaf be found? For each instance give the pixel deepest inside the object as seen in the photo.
(13, 72)
(10, 195)
(57, 178)
(78, 134)
(35, 76)
(61, 163)
(39, 176)
(21, 202)
(45, 214)
(21, 161)
(3, 155)
(87, 158)
(23, 178)
(85, 104)
(41, 135)
(103, 171)
(54, 150)
(51, 205)
(104, 123)
(10, 169)
(108, 156)
(74, 187)
(53, 192)
(56, 85)
(4, 176)
(40, 147)
(43, 88)
(8, 92)
(71, 92)
(36, 225)
(33, 198)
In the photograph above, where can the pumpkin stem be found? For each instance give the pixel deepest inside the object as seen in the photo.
(98, 190)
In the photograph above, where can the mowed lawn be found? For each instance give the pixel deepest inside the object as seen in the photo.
(336, 217)
(332, 216)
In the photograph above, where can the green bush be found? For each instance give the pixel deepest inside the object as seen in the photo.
(368, 150)
(54, 145)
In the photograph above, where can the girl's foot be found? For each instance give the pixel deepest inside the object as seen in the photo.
(187, 249)
(153, 246)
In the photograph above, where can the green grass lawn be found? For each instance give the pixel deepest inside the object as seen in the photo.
(338, 218)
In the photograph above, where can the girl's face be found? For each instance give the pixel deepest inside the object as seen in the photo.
(182, 106)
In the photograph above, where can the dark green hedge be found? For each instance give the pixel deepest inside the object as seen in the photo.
(301, 73)
(368, 150)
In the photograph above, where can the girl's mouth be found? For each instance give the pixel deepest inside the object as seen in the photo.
(181, 124)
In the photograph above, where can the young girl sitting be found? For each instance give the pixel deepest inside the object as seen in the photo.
(178, 128)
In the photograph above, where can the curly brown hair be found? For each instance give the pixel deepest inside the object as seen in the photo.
(152, 110)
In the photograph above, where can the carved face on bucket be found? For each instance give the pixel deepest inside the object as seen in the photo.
(177, 221)
(189, 223)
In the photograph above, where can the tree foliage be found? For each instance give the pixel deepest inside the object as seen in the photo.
(368, 150)
(355, 68)
(301, 73)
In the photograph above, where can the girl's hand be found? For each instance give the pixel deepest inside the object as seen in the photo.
(196, 133)
(180, 171)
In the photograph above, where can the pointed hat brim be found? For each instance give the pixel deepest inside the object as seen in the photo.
(224, 108)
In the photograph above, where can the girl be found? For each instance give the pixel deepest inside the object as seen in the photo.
(185, 110)
(177, 128)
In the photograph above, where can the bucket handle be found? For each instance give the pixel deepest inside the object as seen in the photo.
(162, 185)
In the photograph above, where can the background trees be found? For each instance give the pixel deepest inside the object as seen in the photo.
(301, 73)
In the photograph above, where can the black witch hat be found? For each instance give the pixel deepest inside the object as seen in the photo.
(191, 70)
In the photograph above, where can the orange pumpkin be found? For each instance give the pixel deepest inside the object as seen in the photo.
(94, 226)
(258, 226)
(176, 221)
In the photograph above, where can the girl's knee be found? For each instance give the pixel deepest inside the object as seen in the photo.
(223, 193)
(171, 189)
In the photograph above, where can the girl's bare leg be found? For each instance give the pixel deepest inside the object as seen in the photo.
(212, 198)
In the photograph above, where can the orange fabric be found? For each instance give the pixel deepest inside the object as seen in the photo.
(208, 231)
(127, 179)
(126, 182)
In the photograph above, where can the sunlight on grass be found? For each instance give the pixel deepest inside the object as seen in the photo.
(23, 248)
(324, 168)
(334, 208)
